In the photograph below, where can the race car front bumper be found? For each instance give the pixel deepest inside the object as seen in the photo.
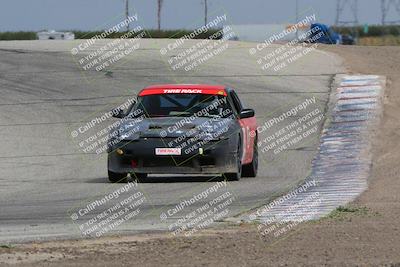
(216, 157)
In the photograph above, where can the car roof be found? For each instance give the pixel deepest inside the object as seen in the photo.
(184, 88)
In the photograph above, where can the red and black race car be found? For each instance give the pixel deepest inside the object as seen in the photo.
(184, 129)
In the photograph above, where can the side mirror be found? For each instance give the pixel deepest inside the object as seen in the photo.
(247, 113)
(117, 113)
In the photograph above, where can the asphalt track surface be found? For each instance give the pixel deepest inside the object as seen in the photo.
(45, 95)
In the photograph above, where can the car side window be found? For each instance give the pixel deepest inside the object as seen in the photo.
(236, 102)
(232, 103)
(129, 109)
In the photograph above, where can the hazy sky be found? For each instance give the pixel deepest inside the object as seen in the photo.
(97, 14)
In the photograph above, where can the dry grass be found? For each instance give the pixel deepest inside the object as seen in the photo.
(387, 40)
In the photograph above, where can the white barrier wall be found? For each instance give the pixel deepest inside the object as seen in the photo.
(53, 35)
(262, 32)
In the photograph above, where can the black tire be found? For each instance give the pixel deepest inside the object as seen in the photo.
(232, 176)
(114, 177)
(250, 170)
(139, 177)
(235, 176)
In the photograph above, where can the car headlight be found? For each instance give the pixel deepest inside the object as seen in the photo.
(207, 128)
(215, 136)
(124, 136)
(129, 131)
(131, 136)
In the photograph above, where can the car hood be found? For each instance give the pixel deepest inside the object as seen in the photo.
(170, 127)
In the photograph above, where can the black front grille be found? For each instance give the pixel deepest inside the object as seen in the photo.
(168, 161)
(206, 161)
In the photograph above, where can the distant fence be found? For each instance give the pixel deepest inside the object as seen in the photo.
(373, 30)
(172, 34)
(18, 36)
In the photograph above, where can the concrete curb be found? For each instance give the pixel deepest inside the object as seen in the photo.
(341, 167)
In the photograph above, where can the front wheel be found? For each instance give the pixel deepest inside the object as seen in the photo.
(114, 177)
(235, 176)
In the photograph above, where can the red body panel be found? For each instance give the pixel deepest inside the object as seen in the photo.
(249, 129)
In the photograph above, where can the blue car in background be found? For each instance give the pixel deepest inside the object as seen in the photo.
(324, 34)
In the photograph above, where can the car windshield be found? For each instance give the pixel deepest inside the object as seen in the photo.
(183, 105)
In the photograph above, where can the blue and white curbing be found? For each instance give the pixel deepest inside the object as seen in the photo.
(341, 167)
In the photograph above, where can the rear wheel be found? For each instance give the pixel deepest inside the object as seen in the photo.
(235, 176)
(250, 170)
(117, 177)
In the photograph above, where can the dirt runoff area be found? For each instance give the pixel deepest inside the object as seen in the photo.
(367, 233)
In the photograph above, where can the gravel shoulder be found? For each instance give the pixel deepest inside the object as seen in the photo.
(367, 233)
